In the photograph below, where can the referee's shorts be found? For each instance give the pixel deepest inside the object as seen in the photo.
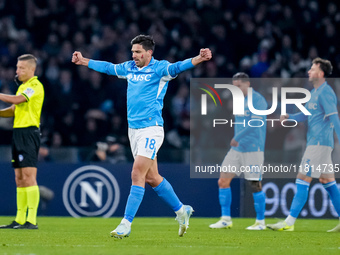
(25, 147)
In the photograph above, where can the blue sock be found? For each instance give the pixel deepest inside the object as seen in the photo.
(259, 204)
(300, 197)
(334, 194)
(165, 191)
(134, 200)
(224, 196)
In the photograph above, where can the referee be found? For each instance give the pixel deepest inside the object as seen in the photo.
(26, 110)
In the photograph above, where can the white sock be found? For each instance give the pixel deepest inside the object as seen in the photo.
(180, 211)
(226, 218)
(260, 222)
(290, 220)
(128, 223)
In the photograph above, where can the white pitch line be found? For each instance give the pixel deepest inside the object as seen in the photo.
(56, 245)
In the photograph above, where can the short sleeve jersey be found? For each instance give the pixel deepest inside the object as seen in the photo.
(251, 127)
(28, 113)
(323, 103)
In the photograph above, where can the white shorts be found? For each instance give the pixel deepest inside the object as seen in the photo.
(317, 160)
(146, 141)
(249, 163)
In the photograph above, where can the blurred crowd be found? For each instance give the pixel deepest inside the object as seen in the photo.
(267, 38)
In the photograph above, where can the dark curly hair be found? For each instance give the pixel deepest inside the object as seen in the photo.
(146, 41)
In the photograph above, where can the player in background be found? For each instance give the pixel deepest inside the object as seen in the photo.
(26, 110)
(147, 84)
(322, 122)
(247, 150)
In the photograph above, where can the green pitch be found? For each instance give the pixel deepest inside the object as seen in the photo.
(58, 235)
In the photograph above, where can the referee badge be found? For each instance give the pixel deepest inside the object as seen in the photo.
(29, 92)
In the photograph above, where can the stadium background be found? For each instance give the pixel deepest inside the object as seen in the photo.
(85, 111)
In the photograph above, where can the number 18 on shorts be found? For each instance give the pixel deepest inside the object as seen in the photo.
(146, 141)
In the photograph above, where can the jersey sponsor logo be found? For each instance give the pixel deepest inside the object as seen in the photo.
(139, 77)
(91, 191)
(29, 92)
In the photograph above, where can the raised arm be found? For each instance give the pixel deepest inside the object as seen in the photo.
(99, 66)
(78, 59)
(204, 55)
(181, 66)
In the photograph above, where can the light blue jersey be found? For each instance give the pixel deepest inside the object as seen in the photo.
(251, 139)
(322, 105)
(146, 87)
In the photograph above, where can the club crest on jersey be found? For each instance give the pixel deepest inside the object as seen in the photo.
(312, 106)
